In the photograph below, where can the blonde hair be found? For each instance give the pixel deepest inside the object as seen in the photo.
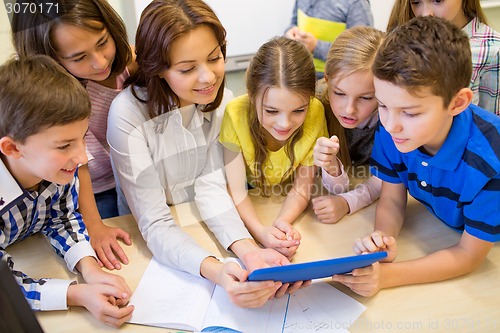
(353, 51)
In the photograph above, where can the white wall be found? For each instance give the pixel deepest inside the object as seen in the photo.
(249, 23)
(6, 48)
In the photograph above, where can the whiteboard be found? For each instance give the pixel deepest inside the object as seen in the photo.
(248, 23)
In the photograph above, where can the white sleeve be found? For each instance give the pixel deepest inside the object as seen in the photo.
(212, 198)
(363, 194)
(335, 185)
(140, 182)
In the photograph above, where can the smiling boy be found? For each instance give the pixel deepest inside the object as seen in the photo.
(435, 145)
(44, 115)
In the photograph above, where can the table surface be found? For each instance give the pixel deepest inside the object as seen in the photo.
(465, 304)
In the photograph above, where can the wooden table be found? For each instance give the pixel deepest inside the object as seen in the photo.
(465, 304)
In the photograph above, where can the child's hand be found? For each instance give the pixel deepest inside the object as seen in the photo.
(364, 281)
(325, 154)
(291, 234)
(99, 300)
(104, 241)
(293, 33)
(274, 238)
(93, 274)
(245, 294)
(377, 241)
(262, 258)
(330, 208)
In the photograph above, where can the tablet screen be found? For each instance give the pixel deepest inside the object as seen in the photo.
(315, 269)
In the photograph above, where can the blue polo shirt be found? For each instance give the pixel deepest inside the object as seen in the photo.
(460, 185)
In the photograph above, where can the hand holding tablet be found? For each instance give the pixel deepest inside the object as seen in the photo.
(315, 269)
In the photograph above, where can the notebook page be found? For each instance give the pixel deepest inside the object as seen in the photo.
(266, 319)
(166, 297)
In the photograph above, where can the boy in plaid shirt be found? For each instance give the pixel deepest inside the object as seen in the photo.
(44, 115)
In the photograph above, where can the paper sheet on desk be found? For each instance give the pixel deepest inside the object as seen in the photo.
(169, 298)
(321, 308)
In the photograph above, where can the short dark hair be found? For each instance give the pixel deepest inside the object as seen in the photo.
(37, 93)
(426, 52)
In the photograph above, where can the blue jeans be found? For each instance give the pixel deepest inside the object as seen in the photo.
(107, 203)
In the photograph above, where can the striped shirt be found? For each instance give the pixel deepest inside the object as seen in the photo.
(485, 48)
(460, 185)
(51, 211)
(100, 169)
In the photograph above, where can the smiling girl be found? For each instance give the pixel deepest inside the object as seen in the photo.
(269, 135)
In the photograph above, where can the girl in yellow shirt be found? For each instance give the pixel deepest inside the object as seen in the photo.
(269, 136)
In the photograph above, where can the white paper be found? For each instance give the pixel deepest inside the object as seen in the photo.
(169, 298)
(321, 308)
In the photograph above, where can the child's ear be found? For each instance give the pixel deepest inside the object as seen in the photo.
(460, 102)
(9, 147)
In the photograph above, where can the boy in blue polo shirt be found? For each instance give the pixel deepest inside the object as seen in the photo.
(44, 114)
(433, 144)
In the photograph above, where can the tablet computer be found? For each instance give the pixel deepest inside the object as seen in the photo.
(315, 269)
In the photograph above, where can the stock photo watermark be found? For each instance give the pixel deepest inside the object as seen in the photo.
(27, 14)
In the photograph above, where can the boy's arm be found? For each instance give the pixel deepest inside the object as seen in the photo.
(102, 237)
(391, 207)
(41, 294)
(452, 262)
(65, 230)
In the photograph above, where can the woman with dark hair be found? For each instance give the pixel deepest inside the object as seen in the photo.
(163, 135)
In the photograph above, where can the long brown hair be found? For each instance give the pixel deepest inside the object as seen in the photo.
(401, 12)
(284, 63)
(32, 33)
(162, 21)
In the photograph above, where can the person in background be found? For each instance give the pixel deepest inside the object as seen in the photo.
(349, 98)
(269, 135)
(484, 42)
(163, 132)
(89, 40)
(317, 24)
(436, 146)
(44, 114)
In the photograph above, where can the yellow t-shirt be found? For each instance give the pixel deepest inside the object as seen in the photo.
(235, 135)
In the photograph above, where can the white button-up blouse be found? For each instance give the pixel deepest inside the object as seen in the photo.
(160, 162)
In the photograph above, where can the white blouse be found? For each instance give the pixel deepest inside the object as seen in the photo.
(161, 162)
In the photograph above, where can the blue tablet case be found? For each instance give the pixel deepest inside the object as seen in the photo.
(315, 269)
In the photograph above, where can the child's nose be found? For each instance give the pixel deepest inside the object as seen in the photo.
(428, 11)
(99, 62)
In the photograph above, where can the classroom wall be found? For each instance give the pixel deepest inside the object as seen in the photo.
(236, 21)
(6, 48)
